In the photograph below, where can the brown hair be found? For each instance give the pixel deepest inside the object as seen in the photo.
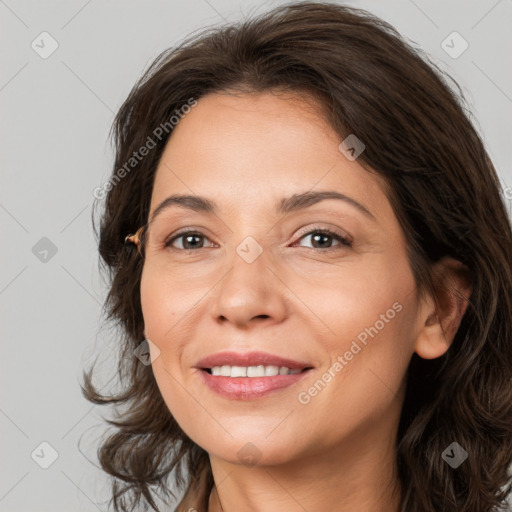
(444, 191)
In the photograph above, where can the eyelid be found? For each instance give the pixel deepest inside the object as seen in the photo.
(333, 231)
(190, 230)
(344, 238)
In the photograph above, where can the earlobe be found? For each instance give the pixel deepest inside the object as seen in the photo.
(431, 341)
(440, 317)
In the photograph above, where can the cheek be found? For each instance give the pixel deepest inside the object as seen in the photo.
(164, 310)
(346, 299)
(369, 317)
(165, 303)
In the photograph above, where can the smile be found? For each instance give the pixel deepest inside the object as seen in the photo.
(251, 371)
(248, 376)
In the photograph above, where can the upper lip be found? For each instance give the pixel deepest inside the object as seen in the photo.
(249, 359)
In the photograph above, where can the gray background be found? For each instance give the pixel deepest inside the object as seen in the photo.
(56, 114)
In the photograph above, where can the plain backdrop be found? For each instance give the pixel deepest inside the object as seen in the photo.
(56, 112)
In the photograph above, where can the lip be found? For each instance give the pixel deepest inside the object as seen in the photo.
(249, 359)
(249, 388)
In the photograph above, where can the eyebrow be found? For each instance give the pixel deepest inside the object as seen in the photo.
(286, 205)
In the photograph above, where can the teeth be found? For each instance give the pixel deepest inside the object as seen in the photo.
(271, 370)
(225, 370)
(251, 371)
(256, 371)
(238, 371)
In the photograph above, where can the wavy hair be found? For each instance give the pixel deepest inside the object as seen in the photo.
(444, 191)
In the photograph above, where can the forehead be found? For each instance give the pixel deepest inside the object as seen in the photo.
(253, 149)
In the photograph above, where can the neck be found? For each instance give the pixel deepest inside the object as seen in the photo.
(359, 474)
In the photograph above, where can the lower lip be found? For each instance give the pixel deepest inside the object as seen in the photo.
(249, 388)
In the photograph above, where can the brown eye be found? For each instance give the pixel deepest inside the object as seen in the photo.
(322, 239)
(190, 240)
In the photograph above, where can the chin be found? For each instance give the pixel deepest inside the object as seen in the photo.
(252, 453)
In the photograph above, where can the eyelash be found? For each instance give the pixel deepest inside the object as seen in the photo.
(342, 239)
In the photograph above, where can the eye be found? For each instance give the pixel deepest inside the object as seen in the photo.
(191, 240)
(320, 237)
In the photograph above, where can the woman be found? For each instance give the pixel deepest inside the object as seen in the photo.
(310, 262)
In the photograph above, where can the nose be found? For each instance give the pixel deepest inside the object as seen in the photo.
(250, 293)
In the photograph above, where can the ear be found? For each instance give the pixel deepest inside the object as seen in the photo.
(440, 316)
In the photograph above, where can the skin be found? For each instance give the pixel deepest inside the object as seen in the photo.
(296, 300)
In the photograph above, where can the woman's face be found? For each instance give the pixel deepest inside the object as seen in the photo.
(258, 277)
